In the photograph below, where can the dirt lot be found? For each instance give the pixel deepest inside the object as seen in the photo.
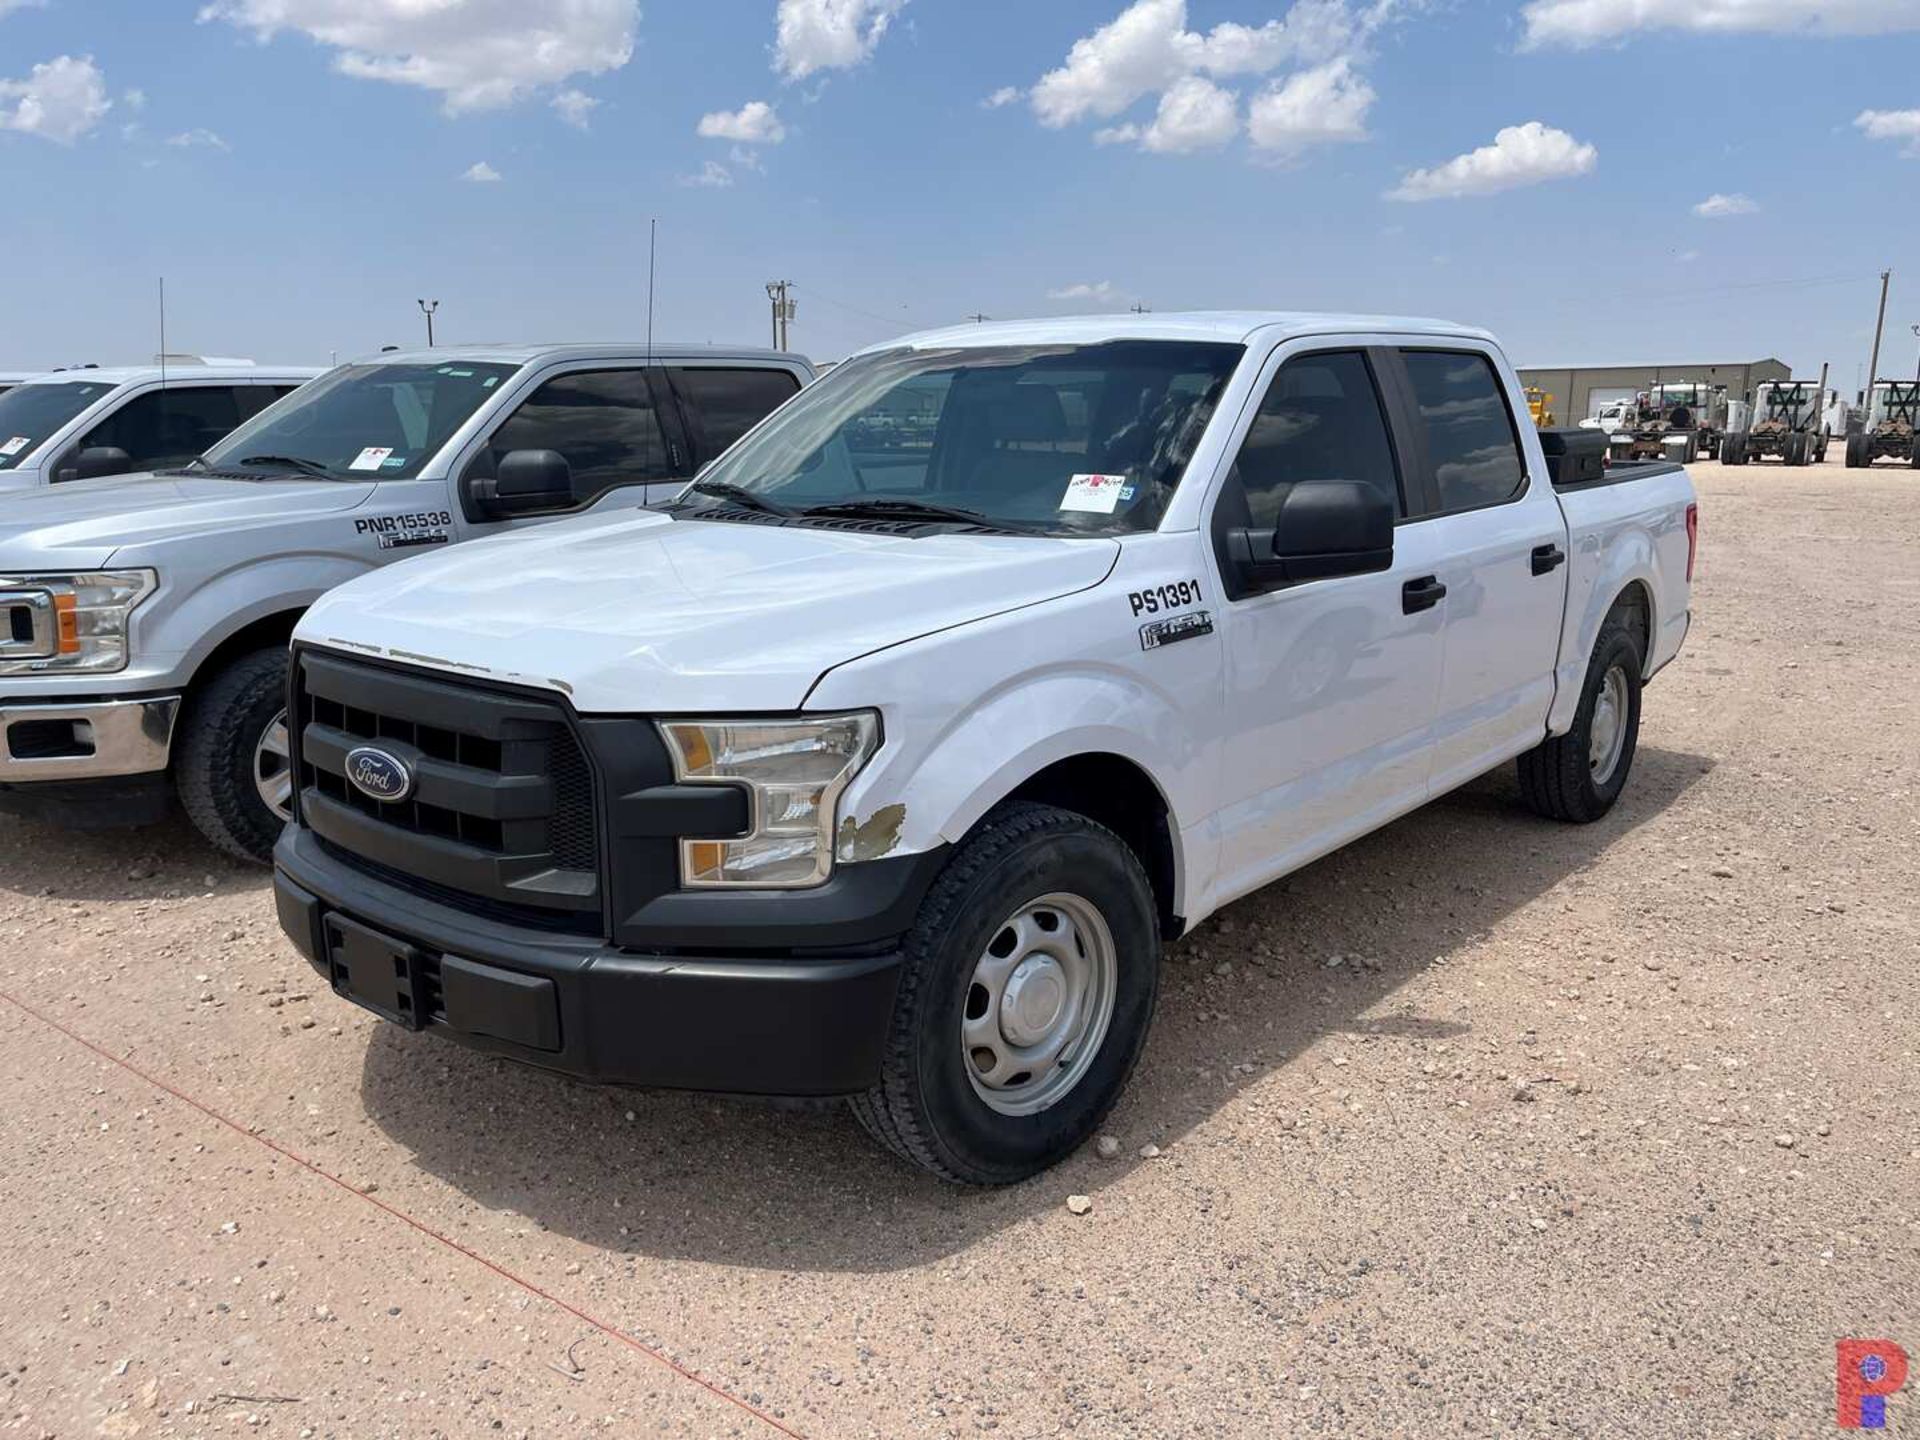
(1483, 1126)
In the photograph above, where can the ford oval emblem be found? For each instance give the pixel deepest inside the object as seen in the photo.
(379, 773)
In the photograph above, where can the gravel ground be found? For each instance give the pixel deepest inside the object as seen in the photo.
(1484, 1126)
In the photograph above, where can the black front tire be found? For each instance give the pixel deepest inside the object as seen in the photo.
(1857, 457)
(926, 1108)
(1733, 451)
(1557, 777)
(214, 770)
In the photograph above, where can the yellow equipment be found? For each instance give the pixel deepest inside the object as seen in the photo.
(1538, 402)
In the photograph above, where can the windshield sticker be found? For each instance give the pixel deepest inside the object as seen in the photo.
(394, 462)
(1095, 494)
(16, 445)
(406, 532)
(457, 374)
(370, 458)
(489, 382)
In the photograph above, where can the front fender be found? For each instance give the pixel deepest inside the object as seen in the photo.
(945, 767)
(219, 607)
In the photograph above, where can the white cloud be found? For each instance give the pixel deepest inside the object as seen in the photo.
(1147, 50)
(754, 123)
(8, 5)
(815, 35)
(1323, 106)
(1722, 207)
(198, 138)
(1097, 292)
(481, 173)
(1892, 125)
(576, 107)
(59, 101)
(1194, 114)
(1591, 22)
(477, 54)
(135, 100)
(1005, 95)
(1520, 155)
(713, 176)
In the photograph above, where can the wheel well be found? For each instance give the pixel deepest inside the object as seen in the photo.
(1118, 794)
(1634, 606)
(275, 629)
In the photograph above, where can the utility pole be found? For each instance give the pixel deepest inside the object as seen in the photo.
(784, 309)
(427, 307)
(1140, 309)
(1916, 365)
(1873, 365)
(979, 319)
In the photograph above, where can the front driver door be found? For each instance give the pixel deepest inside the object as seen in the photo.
(1331, 684)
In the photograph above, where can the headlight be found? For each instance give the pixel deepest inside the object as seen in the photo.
(793, 770)
(68, 622)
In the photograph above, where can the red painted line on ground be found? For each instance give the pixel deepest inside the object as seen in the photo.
(612, 1331)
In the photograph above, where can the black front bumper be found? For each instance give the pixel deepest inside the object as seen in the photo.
(811, 1024)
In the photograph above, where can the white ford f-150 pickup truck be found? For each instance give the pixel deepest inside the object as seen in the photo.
(882, 762)
(144, 620)
(86, 423)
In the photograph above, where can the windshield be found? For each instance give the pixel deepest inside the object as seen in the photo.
(362, 422)
(30, 414)
(1060, 439)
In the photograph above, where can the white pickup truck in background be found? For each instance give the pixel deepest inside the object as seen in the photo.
(882, 763)
(144, 620)
(86, 423)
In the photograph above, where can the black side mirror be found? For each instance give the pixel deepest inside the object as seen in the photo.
(526, 481)
(98, 460)
(1325, 528)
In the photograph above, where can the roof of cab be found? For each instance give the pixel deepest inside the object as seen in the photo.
(1227, 326)
(525, 354)
(137, 374)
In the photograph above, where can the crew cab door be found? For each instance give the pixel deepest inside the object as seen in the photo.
(1500, 545)
(1331, 683)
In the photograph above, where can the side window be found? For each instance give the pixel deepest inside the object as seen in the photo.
(170, 426)
(1321, 420)
(1471, 443)
(603, 421)
(722, 405)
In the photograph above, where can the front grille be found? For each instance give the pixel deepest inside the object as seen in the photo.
(500, 815)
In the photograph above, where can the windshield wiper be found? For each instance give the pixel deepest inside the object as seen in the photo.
(917, 510)
(740, 495)
(303, 465)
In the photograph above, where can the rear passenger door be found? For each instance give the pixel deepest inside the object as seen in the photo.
(1501, 548)
(720, 403)
(1331, 683)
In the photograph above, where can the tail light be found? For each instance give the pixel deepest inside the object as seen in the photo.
(1693, 538)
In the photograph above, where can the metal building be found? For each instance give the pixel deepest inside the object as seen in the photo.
(1579, 391)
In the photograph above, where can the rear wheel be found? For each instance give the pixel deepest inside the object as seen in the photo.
(1578, 776)
(1796, 448)
(1027, 987)
(1733, 450)
(1857, 457)
(1913, 455)
(232, 771)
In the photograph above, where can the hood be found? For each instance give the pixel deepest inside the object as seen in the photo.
(82, 523)
(645, 614)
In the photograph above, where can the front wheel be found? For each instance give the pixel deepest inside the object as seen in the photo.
(1026, 990)
(232, 772)
(1577, 776)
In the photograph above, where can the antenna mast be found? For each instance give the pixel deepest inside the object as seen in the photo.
(163, 332)
(653, 237)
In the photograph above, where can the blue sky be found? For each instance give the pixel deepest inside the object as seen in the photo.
(297, 169)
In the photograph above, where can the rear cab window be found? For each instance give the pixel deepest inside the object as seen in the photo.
(1472, 446)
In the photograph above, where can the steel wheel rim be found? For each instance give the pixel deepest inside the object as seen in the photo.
(1039, 1004)
(1607, 734)
(273, 768)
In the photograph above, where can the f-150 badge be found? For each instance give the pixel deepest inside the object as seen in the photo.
(1189, 626)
